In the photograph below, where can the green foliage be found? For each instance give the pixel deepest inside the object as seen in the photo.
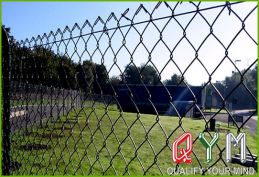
(115, 81)
(101, 79)
(85, 75)
(239, 91)
(131, 75)
(145, 73)
(67, 71)
(42, 66)
(175, 80)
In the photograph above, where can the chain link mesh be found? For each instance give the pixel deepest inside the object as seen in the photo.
(66, 115)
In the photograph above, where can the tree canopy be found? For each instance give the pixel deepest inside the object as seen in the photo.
(174, 80)
(42, 66)
(239, 91)
(144, 73)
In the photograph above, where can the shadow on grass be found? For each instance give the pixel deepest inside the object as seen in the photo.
(31, 147)
(46, 135)
(52, 135)
(62, 128)
(38, 165)
(15, 166)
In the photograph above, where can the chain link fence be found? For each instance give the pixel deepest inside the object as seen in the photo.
(99, 99)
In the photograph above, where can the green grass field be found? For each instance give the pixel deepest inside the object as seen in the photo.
(105, 141)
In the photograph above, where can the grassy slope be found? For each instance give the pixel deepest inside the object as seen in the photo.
(140, 142)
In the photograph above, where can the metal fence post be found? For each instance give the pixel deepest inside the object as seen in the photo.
(6, 103)
(41, 105)
(51, 105)
(63, 104)
(27, 118)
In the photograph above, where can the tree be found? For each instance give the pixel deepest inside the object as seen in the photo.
(145, 73)
(251, 80)
(131, 75)
(40, 65)
(175, 80)
(234, 90)
(115, 81)
(67, 71)
(85, 76)
(34, 66)
(101, 80)
(149, 75)
(92, 78)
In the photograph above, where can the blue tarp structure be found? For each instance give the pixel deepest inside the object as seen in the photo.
(164, 100)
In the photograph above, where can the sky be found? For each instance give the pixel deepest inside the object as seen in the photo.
(170, 56)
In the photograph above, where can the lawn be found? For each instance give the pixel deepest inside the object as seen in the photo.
(101, 140)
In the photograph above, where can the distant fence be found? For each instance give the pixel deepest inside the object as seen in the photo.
(40, 94)
(59, 101)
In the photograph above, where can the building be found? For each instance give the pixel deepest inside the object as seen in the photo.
(164, 100)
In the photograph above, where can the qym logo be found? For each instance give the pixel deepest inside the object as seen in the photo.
(183, 155)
